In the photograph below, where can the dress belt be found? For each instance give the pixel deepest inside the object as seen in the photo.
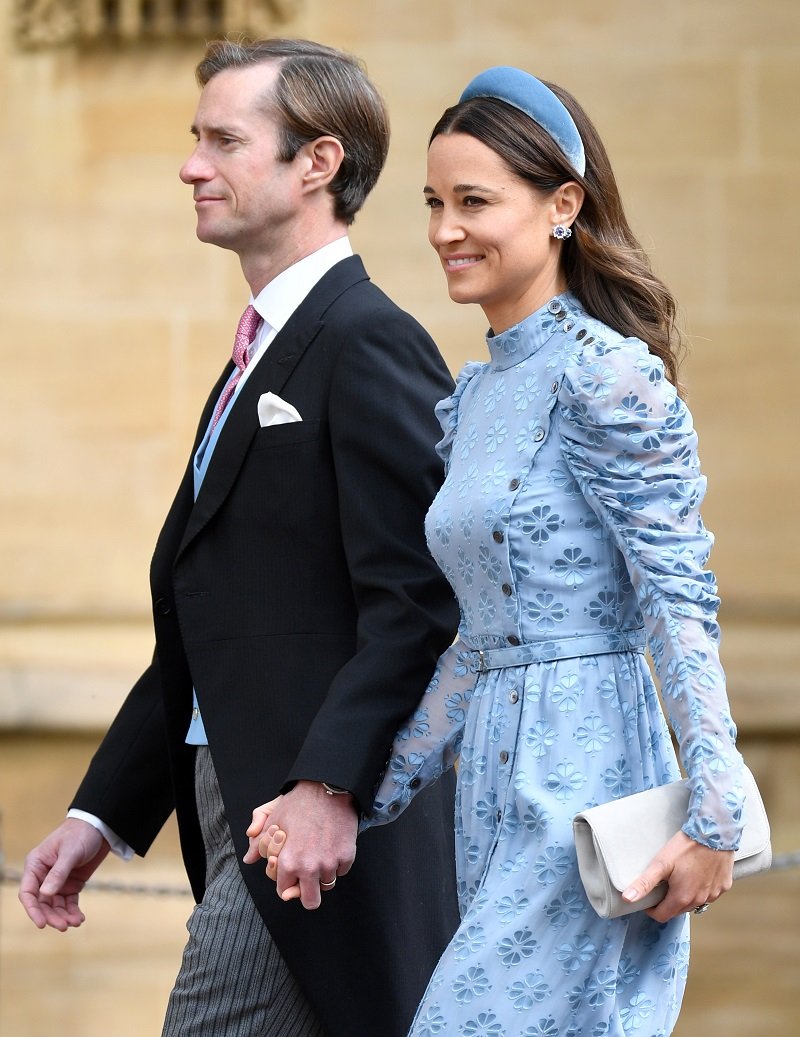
(563, 648)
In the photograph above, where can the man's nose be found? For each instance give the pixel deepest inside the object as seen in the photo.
(195, 168)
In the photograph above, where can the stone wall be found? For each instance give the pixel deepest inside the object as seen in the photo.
(116, 320)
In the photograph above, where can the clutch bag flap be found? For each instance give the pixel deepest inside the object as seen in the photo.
(617, 840)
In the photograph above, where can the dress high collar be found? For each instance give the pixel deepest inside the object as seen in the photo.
(522, 340)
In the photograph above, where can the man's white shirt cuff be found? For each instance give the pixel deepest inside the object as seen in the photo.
(118, 846)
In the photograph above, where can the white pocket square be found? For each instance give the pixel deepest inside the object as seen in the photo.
(272, 410)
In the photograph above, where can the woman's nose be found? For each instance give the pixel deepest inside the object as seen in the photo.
(445, 228)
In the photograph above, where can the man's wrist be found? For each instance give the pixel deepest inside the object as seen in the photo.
(335, 790)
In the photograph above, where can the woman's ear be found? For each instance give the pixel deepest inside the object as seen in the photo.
(567, 202)
(323, 158)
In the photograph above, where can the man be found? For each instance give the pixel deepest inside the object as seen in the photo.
(297, 613)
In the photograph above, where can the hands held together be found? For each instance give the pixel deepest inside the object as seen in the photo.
(314, 834)
(696, 875)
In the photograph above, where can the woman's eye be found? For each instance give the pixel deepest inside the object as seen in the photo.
(433, 203)
(470, 201)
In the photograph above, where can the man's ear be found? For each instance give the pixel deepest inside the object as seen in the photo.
(323, 157)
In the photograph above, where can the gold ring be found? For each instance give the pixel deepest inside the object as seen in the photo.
(327, 885)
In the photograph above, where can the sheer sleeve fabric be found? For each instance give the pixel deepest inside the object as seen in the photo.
(630, 443)
(429, 743)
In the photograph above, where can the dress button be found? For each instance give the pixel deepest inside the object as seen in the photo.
(581, 334)
(514, 484)
(506, 589)
(513, 640)
(554, 387)
(195, 713)
(538, 435)
(415, 783)
(568, 325)
(393, 808)
(499, 816)
(504, 757)
(513, 698)
(554, 306)
(498, 537)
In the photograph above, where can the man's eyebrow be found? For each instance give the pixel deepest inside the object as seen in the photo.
(215, 131)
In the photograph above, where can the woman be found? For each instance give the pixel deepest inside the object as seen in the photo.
(568, 525)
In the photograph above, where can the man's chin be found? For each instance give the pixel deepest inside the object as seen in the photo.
(212, 236)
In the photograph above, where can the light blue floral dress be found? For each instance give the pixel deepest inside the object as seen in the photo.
(568, 525)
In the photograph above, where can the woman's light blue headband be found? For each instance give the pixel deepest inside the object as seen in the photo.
(531, 96)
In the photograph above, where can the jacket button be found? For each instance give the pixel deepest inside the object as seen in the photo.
(163, 606)
(498, 537)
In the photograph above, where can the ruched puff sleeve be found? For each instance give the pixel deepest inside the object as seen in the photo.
(447, 411)
(630, 443)
(429, 743)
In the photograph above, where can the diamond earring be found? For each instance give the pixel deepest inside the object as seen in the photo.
(561, 232)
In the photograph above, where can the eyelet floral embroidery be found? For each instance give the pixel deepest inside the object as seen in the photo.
(570, 510)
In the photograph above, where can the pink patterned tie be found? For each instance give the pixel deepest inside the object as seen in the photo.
(248, 326)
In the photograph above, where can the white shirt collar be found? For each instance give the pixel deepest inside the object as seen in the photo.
(278, 300)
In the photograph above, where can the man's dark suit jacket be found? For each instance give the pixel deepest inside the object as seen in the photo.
(298, 597)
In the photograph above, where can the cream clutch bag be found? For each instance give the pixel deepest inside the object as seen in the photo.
(616, 841)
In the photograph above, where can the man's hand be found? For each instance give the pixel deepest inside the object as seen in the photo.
(320, 842)
(57, 870)
(695, 875)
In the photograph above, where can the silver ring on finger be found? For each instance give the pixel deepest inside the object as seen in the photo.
(702, 909)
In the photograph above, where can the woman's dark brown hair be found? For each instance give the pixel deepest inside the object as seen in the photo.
(605, 266)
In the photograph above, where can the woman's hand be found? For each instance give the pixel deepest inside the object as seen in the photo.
(266, 842)
(270, 846)
(695, 875)
(258, 828)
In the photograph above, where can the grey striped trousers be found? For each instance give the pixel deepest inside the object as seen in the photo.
(232, 981)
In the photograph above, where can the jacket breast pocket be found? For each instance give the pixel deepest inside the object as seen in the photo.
(275, 436)
(287, 480)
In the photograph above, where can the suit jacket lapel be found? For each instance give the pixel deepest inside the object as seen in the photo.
(270, 375)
